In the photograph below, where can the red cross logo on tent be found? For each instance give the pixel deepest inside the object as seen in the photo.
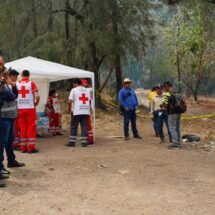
(23, 92)
(83, 98)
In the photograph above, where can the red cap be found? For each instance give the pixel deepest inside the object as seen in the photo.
(84, 82)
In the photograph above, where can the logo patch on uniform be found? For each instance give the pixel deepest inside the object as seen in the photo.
(23, 92)
(84, 99)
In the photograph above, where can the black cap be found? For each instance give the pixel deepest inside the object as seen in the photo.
(25, 73)
(13, 72)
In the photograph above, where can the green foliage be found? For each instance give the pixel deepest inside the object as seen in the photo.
(191, 45)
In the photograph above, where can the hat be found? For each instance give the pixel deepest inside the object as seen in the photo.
(13, 72)
(84, 82)
(127, 80)
(159, 86)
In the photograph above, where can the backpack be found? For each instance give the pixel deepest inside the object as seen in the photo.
(180, 107)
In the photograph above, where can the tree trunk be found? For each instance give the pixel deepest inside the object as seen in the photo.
(118, 73)
(35, 29)
(67, 32)
(34, 18)
(50, 16)
(116, 48)
(178, 72)
(195, 96)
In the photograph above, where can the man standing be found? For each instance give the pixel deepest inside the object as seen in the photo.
(129, 103)
(8, 115)
(159, 113)
(151, 95)
(28, 99)
(3, 96)
(13, 75)
(79, 105)
(174, 117)
(90, 137)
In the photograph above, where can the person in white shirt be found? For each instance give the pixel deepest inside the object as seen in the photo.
(159, 113)
(79, 105)
(89, 127)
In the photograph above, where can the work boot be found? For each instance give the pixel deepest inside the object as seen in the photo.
(34, 151)
(4, 171)
(2, 184)
(174, 147)
(162, 141)
(24, 149)
(70, 144)
(137, 136)
(2, 177)
(15, 164)
(16, 147)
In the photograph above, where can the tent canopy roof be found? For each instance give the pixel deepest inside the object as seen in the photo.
(42, 69)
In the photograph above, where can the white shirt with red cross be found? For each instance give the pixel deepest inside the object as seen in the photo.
(80, 96)
(25, 98)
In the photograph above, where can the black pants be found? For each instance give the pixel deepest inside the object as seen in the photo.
(83, 121)
(130, 116)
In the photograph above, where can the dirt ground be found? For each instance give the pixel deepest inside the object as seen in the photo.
(139, 177)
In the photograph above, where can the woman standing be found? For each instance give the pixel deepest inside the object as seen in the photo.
(54, 112)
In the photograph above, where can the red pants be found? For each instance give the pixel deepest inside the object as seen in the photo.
(28, 131)
(54, 123)
(16, 134)
(90, 137)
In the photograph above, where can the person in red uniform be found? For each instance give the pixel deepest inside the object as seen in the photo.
(53, 106)
(28, 99)
(90, 137)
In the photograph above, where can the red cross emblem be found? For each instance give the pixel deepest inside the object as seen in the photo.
(23, 92)
(83, 98)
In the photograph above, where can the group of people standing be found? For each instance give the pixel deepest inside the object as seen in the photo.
(18, 101)
(18, 118)
(80, 108)
(164, 107)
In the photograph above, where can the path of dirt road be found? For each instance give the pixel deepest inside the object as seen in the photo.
(111, 177)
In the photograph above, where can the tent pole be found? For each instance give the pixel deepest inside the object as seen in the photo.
(94, 108)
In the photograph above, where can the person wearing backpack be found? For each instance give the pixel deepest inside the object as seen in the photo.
(175, 107)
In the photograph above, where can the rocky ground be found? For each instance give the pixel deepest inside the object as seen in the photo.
(114, 177)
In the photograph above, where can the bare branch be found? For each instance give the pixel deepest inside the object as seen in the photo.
(71, 12)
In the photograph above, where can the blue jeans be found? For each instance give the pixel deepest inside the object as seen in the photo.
(130, 116)
(174, 121)
(7, 128)
(155, 124)
(160, 119)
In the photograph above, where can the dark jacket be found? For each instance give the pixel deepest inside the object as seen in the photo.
(171, 105)
(9, 108)
(8, 95)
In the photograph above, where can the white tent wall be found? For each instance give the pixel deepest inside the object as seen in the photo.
(43, 85)
(43, 72)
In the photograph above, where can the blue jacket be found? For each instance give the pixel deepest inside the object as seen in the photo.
(127, 98)
(7, 95)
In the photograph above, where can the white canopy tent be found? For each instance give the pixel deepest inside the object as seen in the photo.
(44, 72)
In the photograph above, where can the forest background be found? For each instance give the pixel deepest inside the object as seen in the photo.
(149, 41)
